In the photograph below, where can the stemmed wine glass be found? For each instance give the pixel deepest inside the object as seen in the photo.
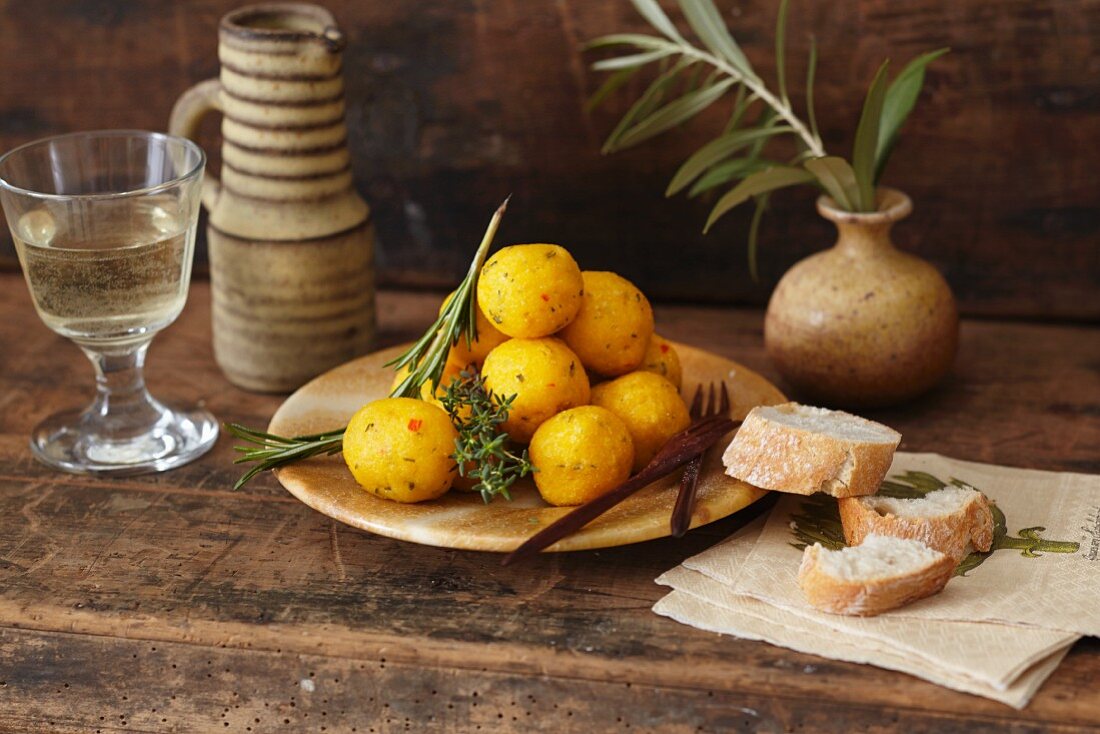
(104, 225)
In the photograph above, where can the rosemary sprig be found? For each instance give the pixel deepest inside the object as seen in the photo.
(477, 413)
(429, 354)
(275, 451)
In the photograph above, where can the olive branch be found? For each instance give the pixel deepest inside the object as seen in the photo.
(694, 76)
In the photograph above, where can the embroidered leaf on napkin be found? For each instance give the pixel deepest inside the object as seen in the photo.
(818, 521)
(1052, 581)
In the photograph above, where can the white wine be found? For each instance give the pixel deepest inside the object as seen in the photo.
(104, 225)
(120, 278)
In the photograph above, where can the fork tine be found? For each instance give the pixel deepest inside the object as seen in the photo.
(701, 426)
(696, 411)
(680, 521)
(717, 411)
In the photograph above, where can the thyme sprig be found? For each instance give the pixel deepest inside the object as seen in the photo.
(429, 355)
(482, 448)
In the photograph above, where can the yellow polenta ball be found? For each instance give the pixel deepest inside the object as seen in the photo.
(649, 405)
(400, 449)
(488, 337)
(530, 291)
(661, 359)
(581, 454)
(612, 329)
(544, 375)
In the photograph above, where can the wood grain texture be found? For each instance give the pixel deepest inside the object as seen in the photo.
(171, 687)
(116, 595)
(454, 105)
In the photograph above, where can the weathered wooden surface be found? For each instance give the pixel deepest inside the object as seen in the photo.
(171, 603)
(454, 105)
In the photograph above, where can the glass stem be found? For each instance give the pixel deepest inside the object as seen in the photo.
(123, 408)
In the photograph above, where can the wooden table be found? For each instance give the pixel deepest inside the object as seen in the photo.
(172, 603)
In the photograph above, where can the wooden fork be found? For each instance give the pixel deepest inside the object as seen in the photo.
(685, 501)
(677, 451)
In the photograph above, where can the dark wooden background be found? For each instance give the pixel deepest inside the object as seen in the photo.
(455, 103)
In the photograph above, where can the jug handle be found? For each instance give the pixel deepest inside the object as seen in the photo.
(189, 110)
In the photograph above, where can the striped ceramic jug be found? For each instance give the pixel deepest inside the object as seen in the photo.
(290, 239)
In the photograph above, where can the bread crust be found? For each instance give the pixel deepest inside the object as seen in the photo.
(954, 535)
(795, 460)
(866, 599)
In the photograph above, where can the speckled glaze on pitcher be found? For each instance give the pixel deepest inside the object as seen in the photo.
(291, 242)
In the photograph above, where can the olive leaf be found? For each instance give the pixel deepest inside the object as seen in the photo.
(609, 87)
(640, 40)
(837, 178)
(692, 82)
(673, 114)
(707, 23)
(766, 119)
(651, 11)
(716, 151)
(741, 104)
(761, 202)
(650, 100)
(901, 97)
(818, 521)
(761, 182)
(723, 173)
(630, 62)
(863, 151)
(811, 73)
(780, 52)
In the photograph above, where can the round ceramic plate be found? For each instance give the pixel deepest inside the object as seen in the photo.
(461, 519)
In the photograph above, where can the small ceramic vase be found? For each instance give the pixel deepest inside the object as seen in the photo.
(290, 240)
(862, 324)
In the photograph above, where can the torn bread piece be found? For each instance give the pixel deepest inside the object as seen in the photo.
(881, 574)
(800, 449)
(952, 520)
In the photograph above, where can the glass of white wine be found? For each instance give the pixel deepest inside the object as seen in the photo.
(104, 225)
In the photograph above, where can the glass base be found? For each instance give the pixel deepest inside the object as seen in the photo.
(71, 442)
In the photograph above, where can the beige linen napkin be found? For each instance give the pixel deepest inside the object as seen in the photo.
(993, 655)
(1045, 571)
(807, 637)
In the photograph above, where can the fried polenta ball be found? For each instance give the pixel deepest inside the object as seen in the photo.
(400, 449)
(530, 291)
(661, 359)
(649, 405)
(544, 375)
(613, 327)
(451, 372)
(488, 337)
(581, 454)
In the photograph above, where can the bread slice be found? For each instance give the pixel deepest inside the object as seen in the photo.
(881, 574)
(799, 449)
(952, 520)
